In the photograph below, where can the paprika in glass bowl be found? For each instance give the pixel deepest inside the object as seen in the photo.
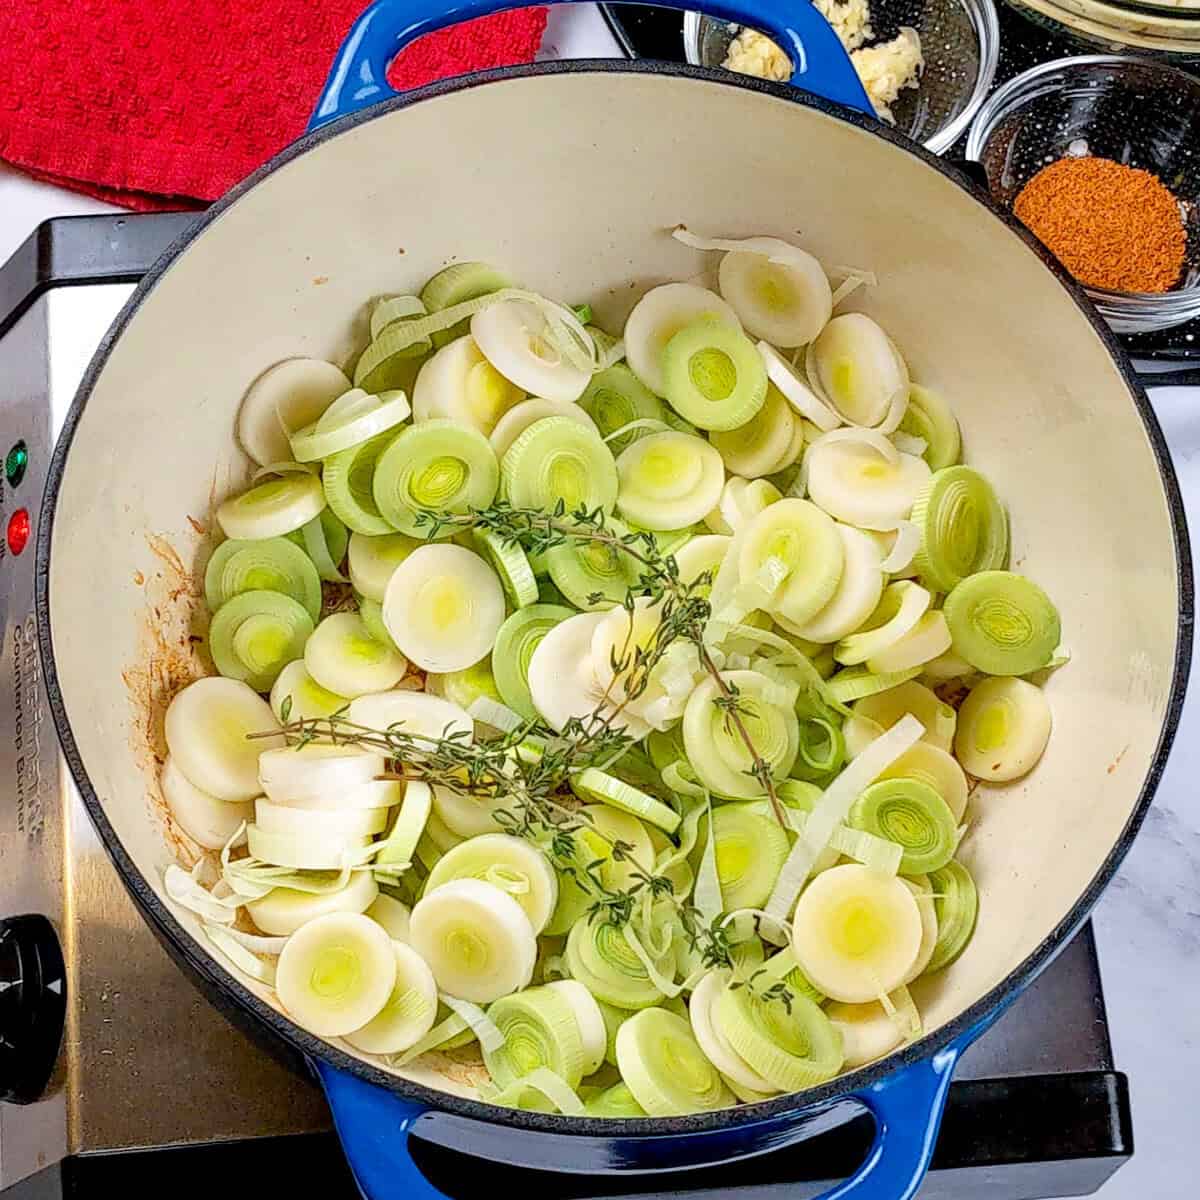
(1100, 156)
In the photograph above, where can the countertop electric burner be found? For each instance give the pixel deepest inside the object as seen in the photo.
(117, 1077)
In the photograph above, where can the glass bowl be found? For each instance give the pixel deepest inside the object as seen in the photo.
(1159, 30)
(960, 40)
(1136, 111)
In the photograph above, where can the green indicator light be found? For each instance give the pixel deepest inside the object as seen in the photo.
(15, 463)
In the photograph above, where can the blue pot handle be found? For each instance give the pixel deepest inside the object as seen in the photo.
(359, 75)
(907, 1105)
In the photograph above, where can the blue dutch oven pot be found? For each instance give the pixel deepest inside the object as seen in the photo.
(1086, 469)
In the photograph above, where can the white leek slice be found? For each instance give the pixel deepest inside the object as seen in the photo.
(443, 607)
(396, 854)
(284, 910)
(857, 368)
(856, 932)
(901, 606)
(305, 851)
(410, 1010)
(904, 545)
(207, 724)
(189, 893)
(796, 392)
(858, 590)
(379, 793)
(562, 678)
(272, 508)
(336, 973)
(716, 1047)
(886, 708)
(458, 382)
(832, 809)
(476, 939)
(394, 915)
(1003, 728)
(287, 396)
(343, 657)
(919, 886)
(374, 559)
(519, 418)
(466, 815)
(332, 823)
(517, 340)
(592, 1030)
(669, 480)
(868, 1032)
(928, 638)
(861, 484)
(660, 314)
(415, 714)
(209, 822)
(303, 696)
(289, 775)
(780, 292)
(349, 421)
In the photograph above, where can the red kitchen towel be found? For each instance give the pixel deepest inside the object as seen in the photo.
(166, 103)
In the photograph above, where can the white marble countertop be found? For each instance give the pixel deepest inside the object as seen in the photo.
(1148, 923)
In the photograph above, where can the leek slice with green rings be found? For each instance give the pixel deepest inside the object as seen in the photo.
(345, 659)
(444, 607)
(400, 845)
(336, 973)
(410, 1010)
(857, 594)
(668, 480)
(793, 1047)
(901, 605)
(272, 508)
(956, 904)
(558, 461)
(286, 396)
(859, 477)
(928, 639)
(593, 575)
(928, 416)
(540, 1030)
(934, 766)
(664, 1067)
(256, 634)
(373, 558)
(964, 528)
(521, 416)
(588, 1017)
(457, 284)
(856, 933)
(885, 709)
(1003, 623)
(733, 1068)
(756, 448)
(326, 550)
(464, 687)
(513, 865)
(660, 314)
(751, 850)
(349, 482)
(476, 939)
(780, 292)
(349, 421)
(516, 640)
(616, 397)
(437, 466)
(600, 958)
(371, 612)
(857, 368)
(713, 375)
(389, 309)
(822, 747)
(269, 564)
(1003, 728)
(598, 787)
(511, 565)
(782, 967)
(589, 853)
(458, 383)
(853, 683)
(914, 816)
(616, 1101)
(805, 541)
(715, 748)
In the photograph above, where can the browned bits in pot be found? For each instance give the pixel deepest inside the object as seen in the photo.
(1110, 225)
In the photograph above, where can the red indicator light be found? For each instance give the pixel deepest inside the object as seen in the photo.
(18, 530)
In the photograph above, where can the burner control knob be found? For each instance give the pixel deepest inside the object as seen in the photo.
(33, 985)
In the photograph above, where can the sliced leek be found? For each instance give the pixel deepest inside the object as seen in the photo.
(956, 904)
(733, 1068)
(209, 822)
(540, 1030)
(521, 416)
(593, 575)
(713, 375)
(599, 787)
(349, 421)
(796, 392)
(418, 715)
(857, 594)
(287, 396)
(374, 558)
(751, 850)
(599, 957)
(516, 641)
(757, 447)
(1003, 623)
(900, 608)
(1003, 729)
(914, 816)
(885, 709)
(558, 461)
(272, 564)
(933, 766)
(859, 482)
(926, 640)
(664, 1067)
(460, 384)
(408, 1013)
(520, 342)
(349, 482)
(963, 527)
(858, 369)
(443, 607)
(256, 634)
(616, 398)
(344, 658)
(669, 479)
(283, 910)
(929, 417)
(389, 912)
(272, 508)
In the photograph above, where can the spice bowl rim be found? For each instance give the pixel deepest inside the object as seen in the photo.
(986, 22)
(1142, 310)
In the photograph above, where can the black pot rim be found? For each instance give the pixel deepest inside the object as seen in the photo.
(962, 1026)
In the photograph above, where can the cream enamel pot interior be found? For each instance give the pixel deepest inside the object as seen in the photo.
(569, 175)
